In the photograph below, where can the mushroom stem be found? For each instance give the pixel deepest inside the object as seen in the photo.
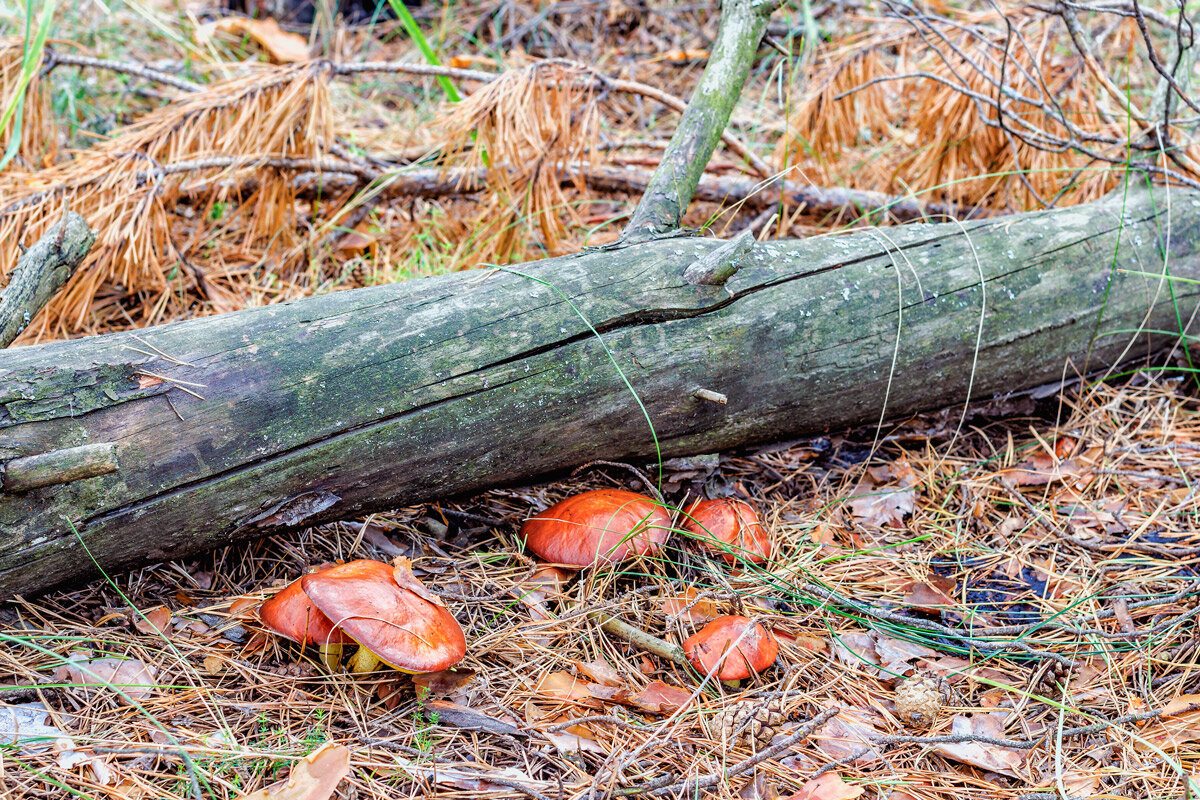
(331, 655)
(364, 661)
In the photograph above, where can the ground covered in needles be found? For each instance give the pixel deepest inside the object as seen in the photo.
(1037, 569)
(996, 602)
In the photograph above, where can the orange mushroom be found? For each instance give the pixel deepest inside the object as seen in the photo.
(740, 645)
(730, 528)
(291, 614)
(603, 526)
(391, 615)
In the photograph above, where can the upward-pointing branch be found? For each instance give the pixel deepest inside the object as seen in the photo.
(661, 208)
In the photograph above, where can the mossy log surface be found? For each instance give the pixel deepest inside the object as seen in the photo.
(253, 422)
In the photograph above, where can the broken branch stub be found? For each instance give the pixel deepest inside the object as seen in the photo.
(41, 271)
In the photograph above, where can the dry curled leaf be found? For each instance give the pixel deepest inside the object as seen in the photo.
(564, 686)
(661, 698)
(282, 46)
(440, 684)
(403, 575)
(153, 622)
(829, 786)
(315, 777)
(691, 607)
(130, 678)
(600, 671)
(998, 759)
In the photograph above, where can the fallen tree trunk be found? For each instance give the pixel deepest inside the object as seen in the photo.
(156, 444)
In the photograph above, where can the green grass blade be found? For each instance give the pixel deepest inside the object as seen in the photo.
(31, 62)
(414, 31)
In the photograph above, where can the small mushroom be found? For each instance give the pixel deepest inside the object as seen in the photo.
(740, 645)
(389, 613)
(292, 614)
(603, 526)
(729, 528)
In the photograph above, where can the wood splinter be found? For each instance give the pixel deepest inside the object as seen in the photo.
(58, 466)
(710, 396)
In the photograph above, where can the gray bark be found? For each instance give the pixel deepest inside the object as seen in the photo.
(41, 271)
(248, 423)
(661, 208)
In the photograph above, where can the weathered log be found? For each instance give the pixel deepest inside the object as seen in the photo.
(243, 424)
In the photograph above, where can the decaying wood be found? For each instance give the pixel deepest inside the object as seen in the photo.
(40, 272)
(267, 419)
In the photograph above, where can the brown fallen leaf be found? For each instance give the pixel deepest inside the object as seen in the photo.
(575, 740)
(130, 678)
(403, 575)
(566, 687)
(282, 46)
(357, 241)
(856, 650)
(545, 583)
(1178, 725)
(829, 786)
(886, 495)
(932, 595)
(378, 538)
(600, 671)
(153, 622)
(848, 733)
(882, 508)
(1041, 468)
(1001, 760)
(315, 777)
(759, 788)
(896, 655)
(702, 610)
(661, 698)
(440, 684)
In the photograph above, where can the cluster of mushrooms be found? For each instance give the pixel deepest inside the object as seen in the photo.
(394, 619)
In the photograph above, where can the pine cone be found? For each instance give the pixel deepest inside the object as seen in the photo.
(756, 722)
(1053, 675)
(919, 700)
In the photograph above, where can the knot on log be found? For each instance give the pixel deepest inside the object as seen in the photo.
(719, 265)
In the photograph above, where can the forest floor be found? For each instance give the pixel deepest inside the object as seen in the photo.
(1033, 558)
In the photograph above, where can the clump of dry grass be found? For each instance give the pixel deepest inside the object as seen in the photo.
(38, 130)
(129, 185)
(526, 127)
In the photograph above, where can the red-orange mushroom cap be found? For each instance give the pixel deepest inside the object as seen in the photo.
(729, 528)
(740, 645)
(603, 526)
(292, 614)
(404, 628)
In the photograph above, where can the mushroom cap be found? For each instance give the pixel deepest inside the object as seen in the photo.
(603, 526)
(756, 650)
(292, 614)
(730, 528)
(406, 631)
